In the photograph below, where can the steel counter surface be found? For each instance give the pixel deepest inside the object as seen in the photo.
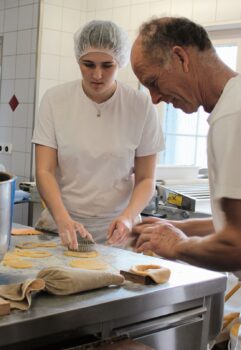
(116, 306)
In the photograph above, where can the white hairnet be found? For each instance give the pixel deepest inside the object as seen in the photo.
(104, 36)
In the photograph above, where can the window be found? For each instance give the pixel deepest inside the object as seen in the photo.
(185, 134)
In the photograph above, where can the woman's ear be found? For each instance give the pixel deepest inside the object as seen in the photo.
(181, 54)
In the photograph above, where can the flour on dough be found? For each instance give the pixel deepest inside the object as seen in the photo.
(31, 245)
(76, 254)
(31, 253)
(18, 263)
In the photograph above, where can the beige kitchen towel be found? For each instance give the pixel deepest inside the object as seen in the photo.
(64, 281)
(19, 294)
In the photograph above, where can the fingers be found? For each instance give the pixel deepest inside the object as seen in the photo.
(143, 238)
(111, 230)
(69, 234)
(144, 247)
(119, 234)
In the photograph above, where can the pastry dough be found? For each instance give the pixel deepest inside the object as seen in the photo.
(30, 245)
(31, 253)
(76, 254)
(18, 263)
(88, 264)
(25, 231)
(157, 273)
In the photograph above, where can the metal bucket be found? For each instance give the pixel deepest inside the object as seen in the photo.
(7, 189)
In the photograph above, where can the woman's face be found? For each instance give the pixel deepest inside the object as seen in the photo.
(99, 72)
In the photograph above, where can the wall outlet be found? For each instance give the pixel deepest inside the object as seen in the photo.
(6, 148)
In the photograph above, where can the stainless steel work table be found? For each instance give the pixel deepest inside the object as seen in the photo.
(186, 312)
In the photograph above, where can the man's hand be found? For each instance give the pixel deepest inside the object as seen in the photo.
(160, 237)
(119, 230)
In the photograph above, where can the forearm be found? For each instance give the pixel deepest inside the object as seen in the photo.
(50, 193)
(141, 195)
(218, 251)
(195, 227)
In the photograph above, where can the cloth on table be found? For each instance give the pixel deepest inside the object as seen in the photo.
(19, 294)
(65, 281)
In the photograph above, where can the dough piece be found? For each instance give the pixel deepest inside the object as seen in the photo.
(25, 231)
(89, 264)
(31, 253)
(18, 263)
(157, 273)
(30, 245)
(76, 254)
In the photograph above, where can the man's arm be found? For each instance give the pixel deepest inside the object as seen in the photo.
(218, 251)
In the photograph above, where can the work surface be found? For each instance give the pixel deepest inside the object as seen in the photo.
(51, 314)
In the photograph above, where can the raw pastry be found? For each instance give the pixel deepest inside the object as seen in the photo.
(31, 253)
(18, 263)
(157, 273)
(30, 245)
(76, 254)
(25, 231)
(88, 264)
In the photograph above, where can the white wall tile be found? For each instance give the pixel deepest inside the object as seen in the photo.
(28, 139)
(44, 85)
(1, 21)
(72, 4)
(143, 11)
(31, 96)
(27, 164)
(104, 15)
(24, 40)
(121, 15)
(32, 73)
(51, 42)
(34, 40)
(55, 2)
(6, 115)
(90, 16)
(52, 18)
(69, 69)
(8, 67)
(25, 2)
(6, 134)
(182, 8)
(18, 163)
(11, 3)
(25, 18)
(10, 43)
(11, 20)
(71, 20)
(160, 8)
(118, 3)
(91, 5)
(204, 11)
(83, 4)
(104, 4)
(7, 90)
(6, 160)
(67, 44)
(22, 90)
(227, 11)
(2, 4)
(20, 116)
(49, 67)
(35, 20)
(19, 137)
(23, 66)
(30, 115)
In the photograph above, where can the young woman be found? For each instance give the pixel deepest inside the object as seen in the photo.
(96, 143)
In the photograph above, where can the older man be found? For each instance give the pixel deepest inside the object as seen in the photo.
(176, 61)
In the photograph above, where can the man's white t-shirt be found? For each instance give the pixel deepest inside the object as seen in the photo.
(224, 149)
(96, 154)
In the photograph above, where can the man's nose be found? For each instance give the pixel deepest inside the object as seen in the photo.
(156, 98)
(97, 73)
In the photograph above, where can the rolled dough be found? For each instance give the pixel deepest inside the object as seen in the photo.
(157, 273)
(76, 254)
(31, 253)
(18, 263)
(30, 245)
(88, 264)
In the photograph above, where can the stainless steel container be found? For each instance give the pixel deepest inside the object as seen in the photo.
(7, 189)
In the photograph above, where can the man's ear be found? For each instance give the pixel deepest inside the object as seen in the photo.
(182, 56)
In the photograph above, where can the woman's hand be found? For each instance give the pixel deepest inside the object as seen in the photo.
(119, 230)
(68, 231)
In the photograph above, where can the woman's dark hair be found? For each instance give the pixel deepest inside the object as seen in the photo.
(164, 33)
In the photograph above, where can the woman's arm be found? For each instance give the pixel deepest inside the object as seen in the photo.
(46, 164)
(141, 195)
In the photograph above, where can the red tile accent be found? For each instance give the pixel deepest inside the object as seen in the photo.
(13, 103)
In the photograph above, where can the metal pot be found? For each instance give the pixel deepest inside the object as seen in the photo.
(7, 189)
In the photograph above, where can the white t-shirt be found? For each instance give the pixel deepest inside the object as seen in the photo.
(96, 154)
(224, 149)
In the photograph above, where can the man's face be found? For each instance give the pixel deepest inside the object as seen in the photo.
(170, 82)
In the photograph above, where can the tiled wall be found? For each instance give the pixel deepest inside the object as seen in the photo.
(18, 26)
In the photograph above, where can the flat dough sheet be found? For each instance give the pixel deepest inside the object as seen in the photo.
(76, 254)
(88, 264)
